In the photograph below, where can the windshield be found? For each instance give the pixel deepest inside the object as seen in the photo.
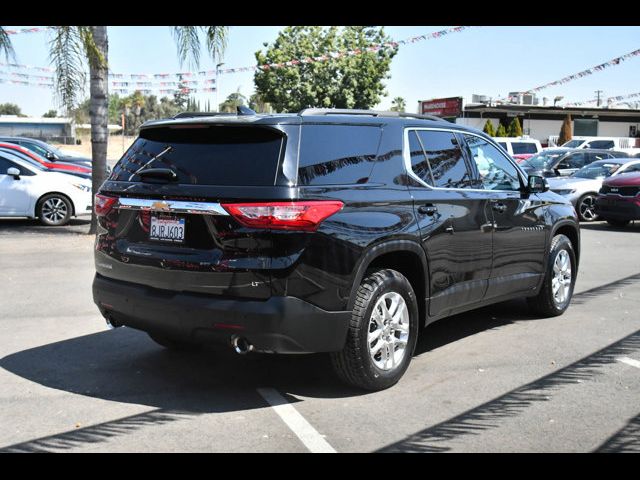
(24, 158)
(542, 160)
(573, 143)
(597, 170)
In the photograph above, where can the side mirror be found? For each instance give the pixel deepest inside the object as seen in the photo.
(14, 172)
(537, 184)
(51, 156)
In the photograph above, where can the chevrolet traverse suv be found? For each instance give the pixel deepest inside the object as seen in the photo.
(339, 231)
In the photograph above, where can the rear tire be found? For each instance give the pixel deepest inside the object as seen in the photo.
(560, 278)
(379, 344)
(54, 210)
(618, 223)
(172, 344)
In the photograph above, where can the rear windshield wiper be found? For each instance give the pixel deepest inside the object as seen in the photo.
(163, 173)
(146, 165)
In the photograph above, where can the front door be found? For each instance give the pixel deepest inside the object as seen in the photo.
(455, 224)
(519, 238)
(14, 193)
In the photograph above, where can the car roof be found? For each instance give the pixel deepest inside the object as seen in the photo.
(8, 138)
(312, 116)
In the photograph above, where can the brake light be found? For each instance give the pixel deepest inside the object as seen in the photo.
(305, 216)
(103, 204)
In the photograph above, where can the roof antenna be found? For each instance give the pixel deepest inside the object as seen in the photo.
(242, 110)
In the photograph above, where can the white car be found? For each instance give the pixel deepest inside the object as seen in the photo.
(520, 148)
(30, 190)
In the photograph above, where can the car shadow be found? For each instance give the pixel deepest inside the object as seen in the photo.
(76, 226)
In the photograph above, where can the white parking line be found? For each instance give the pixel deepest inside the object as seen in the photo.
(308, 435)
(629, 361)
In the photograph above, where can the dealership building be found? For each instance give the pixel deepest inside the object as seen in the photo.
(539, 121)
(57, 130)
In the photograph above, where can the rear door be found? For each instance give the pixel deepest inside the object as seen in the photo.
(455, 223)
(173, 233)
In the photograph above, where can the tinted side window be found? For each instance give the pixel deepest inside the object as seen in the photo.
(419, 163)
(496, 172)
(445, 159)
(577, 160)
(337, 154)
(6, 164)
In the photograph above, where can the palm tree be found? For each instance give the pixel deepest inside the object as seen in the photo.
(398, 104)
(5, 44)
(72, 47)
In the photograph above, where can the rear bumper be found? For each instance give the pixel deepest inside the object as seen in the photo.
(618, 208)
(279, 324)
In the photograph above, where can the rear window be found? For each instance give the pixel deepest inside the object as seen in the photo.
(601, 144)
(337, 154)
(206, 155)
(524, 147)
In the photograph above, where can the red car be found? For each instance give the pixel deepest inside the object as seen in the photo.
(59, 166)
(619, 199)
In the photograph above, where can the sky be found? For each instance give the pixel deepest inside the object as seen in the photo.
(489, 61)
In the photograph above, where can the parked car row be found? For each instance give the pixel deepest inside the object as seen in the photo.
(38, 181)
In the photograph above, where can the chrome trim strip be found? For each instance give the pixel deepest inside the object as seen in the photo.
(171, 206)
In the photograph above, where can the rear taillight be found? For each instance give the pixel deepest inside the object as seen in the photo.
(103, 204)
(304, 216)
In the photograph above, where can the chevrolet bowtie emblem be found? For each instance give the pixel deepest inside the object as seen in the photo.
(164, 206)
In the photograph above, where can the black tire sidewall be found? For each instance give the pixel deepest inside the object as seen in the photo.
(563, 243)
(580, 200)
(398, 284)
(65, 220)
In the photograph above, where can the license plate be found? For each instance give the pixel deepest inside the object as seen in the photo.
(167, 229)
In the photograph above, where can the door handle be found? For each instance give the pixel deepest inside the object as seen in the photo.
(499, 207)
(428, 209)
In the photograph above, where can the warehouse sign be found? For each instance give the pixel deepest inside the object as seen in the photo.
(442, 107)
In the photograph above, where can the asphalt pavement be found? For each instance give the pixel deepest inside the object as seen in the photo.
(493, 380)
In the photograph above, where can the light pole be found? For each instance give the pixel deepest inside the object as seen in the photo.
(218, 85)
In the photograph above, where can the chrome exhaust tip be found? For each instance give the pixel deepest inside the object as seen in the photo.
(241, 345)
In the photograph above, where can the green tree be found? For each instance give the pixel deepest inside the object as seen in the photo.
(50, 114)
(501, 131)
(350, 81)
(514, 130)
(10, 109)
(399, 104)
(565, 131)
(258, 104)
(488, 129)
(232, 102)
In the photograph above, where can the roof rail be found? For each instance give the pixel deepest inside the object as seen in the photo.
(201, 114)
(373, 113)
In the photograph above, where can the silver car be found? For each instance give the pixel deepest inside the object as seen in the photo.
(581, 188)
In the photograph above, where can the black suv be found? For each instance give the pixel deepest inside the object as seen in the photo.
(338, 231)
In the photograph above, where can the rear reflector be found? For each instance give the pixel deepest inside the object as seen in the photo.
(305, 215)
(103, 204)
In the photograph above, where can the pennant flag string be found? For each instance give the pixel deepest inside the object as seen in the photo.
(289, 63)
(606, 100)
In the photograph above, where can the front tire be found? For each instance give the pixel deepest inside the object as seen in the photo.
(382, 333)
(54, 210)
(560, 278)
(586, 208)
